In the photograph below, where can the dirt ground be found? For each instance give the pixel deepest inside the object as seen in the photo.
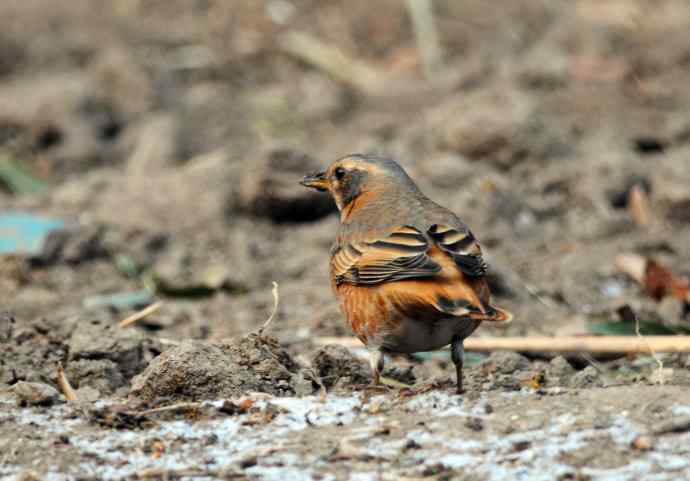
(171, 136)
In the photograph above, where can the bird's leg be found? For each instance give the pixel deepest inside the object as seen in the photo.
(456, 353)
(376, 363)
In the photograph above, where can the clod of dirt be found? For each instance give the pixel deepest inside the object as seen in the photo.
(96, 341)
(118, 417)
(589, 377)
(679, 211)
(334, 362)
(505, 362)
(496, 126)
(29, 351)
(271, 188)
(500, 371)
(35, 394)
(73, 245)
(95, 353)
(232, 408)
(103, 375)
(559, 372)
(200, 370)
(7, 322)
(407, 374)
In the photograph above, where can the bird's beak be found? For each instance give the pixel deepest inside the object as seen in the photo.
(316, 181)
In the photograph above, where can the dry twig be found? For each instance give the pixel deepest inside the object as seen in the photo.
(638, 204)
(137, 316)
(596, 344)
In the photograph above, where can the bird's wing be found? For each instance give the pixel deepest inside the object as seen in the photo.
(462, 247)
(451, 293)
(399, 255)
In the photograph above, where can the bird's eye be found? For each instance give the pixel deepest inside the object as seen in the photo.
(339, 173)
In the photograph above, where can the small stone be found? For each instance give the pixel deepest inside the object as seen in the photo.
(35, 394)
(642, 443)
(28, 475)
(232, 408)
(474, 423)
(505, 362)
(303, 384)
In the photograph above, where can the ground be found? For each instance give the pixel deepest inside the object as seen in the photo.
(170, 137)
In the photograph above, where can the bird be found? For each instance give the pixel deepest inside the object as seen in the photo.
(408, 273)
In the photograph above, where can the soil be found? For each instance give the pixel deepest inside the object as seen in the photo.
(172, 136)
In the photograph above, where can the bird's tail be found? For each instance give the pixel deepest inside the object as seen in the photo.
(496, 314)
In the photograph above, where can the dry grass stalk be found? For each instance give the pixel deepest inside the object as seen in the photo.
(426, 35)
(64, 385)
(276, 301)
(660, 373)
(333, 61)
(137, 316)
(185, 406)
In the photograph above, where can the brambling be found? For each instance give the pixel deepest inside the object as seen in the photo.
(408, 273)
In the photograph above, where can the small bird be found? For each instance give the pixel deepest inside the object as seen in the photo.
(408, 273)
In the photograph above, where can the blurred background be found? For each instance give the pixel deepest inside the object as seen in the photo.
(150, 150)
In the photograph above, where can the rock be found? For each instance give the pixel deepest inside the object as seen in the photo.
(559, 372)
(271, 188)
(200, 370)
(35, 394)
(587, 378)
(334, 362)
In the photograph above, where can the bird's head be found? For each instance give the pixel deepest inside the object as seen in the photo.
(356, 175)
